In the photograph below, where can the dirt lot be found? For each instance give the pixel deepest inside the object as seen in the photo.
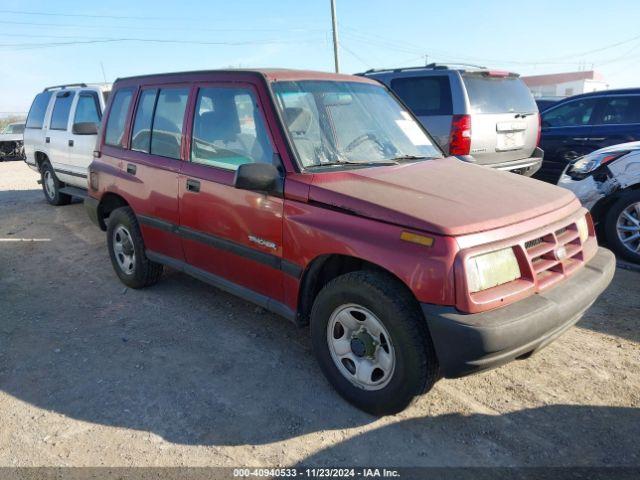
(93, 373)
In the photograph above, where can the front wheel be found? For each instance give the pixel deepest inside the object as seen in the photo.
(51, 186)
(127, 252)
(622, 226)
(372, 342)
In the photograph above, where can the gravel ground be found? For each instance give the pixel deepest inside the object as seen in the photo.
(93, 373)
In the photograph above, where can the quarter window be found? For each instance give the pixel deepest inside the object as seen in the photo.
(61, 109)
(88, 109)
(166, 134)
(572, 114)
(425, 95)
(141, 135)
(35, 119)
(114, 134)
(228, 130)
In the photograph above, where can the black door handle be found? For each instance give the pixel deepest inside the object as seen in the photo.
(193, 185)
(47, 140)
(71, 143)
(131, 168)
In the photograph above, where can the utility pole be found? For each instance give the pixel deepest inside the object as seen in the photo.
(334, 23)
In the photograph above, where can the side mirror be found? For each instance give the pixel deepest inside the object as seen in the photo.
(259, 177)
(85, 128)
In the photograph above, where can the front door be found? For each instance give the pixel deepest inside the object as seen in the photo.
(232, 236)
(566, 131)
(81, 147)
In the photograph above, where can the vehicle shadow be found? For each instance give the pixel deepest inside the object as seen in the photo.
(555, 435)
(617, 310)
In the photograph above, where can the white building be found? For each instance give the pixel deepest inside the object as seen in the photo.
(565, 84)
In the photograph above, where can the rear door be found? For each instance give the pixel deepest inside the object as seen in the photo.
(504, 121)
(429, 98)
(34, 129)
(87, 110)
(616, 120)
(230, 235)
(566, 129)
(58, 136)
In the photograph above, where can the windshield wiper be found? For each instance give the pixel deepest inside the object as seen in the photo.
(351, 163)
(402, 158)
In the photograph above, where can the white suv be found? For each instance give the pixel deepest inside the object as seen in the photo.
(60, 137)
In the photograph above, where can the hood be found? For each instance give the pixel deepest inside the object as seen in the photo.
(11, 137)
(444, 196)
(631, 146)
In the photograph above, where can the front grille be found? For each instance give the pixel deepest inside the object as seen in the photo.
(555, 255)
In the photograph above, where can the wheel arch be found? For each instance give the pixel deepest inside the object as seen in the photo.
(324, 268)
(108, 203)
(40, 158)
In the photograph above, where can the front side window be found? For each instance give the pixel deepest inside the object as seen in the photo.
(228, 130)
(87, 109)
(114, 133)
(61, 109)
(618, 110)
(425, 95)
(333, 123)
(573, 114)
(38, 109)
(166, 131)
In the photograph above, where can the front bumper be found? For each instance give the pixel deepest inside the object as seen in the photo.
(468, 343)
(523, 166)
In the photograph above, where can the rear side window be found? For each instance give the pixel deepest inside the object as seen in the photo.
(87, 109)
(141, 134)
(114, 133)
(425, 95)
(166, 132)
(617, 110)
(38, 109)
(498, 94)
(572, 114)
(61, 109)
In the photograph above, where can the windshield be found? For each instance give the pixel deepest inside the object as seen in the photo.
(14, 128)
(349, 122)
(498, 94)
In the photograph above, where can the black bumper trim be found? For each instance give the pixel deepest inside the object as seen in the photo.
(91, 207)
(468, 343)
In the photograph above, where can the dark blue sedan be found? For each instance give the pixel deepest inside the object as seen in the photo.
(583, 123)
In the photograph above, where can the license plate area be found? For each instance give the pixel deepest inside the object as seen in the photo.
(510, 136)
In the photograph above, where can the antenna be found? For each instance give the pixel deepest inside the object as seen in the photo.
(104, 75)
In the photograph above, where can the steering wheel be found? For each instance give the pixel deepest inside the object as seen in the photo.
(360, 139)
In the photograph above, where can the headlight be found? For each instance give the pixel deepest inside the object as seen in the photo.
(491, 269)
(590, 162)
(583, 229)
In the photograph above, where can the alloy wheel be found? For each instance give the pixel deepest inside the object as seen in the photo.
(628, 227)
(124, 250)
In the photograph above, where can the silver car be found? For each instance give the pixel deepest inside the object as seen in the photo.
(481, 116)
(607, 182)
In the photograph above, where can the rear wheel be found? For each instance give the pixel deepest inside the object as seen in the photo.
(126, 249)
(51, 186)
(372, 343)
(622, 226)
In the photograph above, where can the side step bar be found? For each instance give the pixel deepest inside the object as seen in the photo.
(75, 192)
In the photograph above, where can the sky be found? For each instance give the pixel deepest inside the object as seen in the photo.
(44, 43)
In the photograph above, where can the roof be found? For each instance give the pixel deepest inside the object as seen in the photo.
(270, 74)
(555, 78)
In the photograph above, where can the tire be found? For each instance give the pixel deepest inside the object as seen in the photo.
(51, 186)
(127, 251)
(616, 220)
(357, 295)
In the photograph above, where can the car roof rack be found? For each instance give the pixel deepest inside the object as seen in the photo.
(62, 87)
(430, 66)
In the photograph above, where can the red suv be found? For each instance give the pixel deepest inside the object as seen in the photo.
(322, 199)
